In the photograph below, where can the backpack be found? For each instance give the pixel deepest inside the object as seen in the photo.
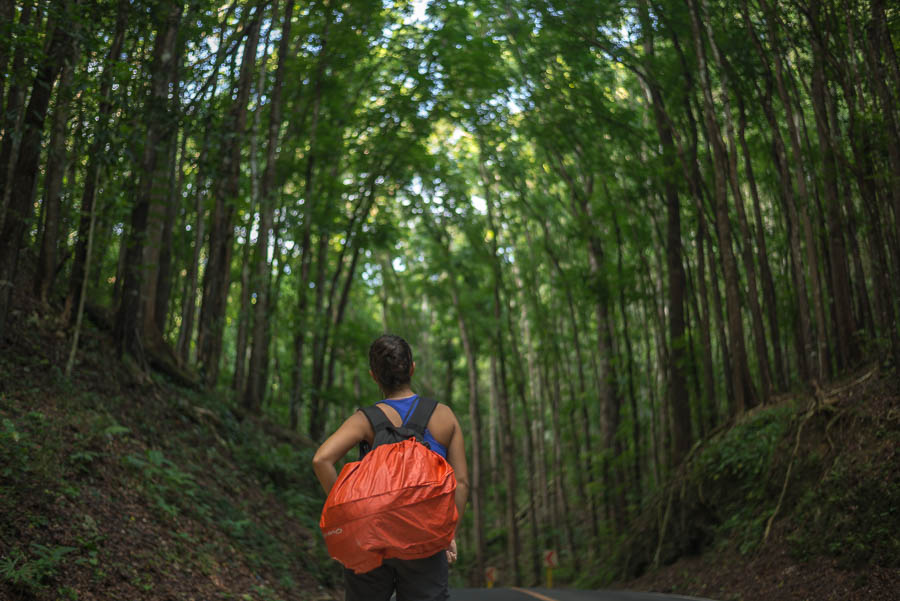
(397, 501)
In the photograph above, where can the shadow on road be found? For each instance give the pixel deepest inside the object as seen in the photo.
(540, 594)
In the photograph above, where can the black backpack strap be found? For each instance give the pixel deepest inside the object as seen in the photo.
(418, 421)
(376, 417)
(379, 422)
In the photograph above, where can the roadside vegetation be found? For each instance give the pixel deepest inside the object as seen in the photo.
(117, 484)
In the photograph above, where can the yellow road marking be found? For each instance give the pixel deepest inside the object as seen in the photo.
(533, 594)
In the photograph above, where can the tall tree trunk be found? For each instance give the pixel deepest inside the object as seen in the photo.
(802, 332)
(582, 396)
(877, 255)
(762, 257)
(845, 344)
(189, 301)
(96, 158)
(655, 277)
(552, 501)
(744, 395)
(279, 265)
(160, 211)
(449, 373)
(709, 386)
(238, 381)
(316, 418)
(679, 400)
(310, 213)
(527, 419)
(11, 119)
(173, 207)
(559, 484)
(249, 285)
(337, 314)
(692, 317)
(861, 143)
(799, 210)
(534, 430)
(692, 174)
(79, 312)
(493, 436)
(882, 45)
(607, 388)
(890, 180)
(56, 167)
(677, 387)
(506, 435)
(758, 329)
(317, 376)
(719, 317)
(7, 17)
(577, 452)
(259, 347)
(334, 311)
(629, 361)
(217, 275)
(20, 210)
(477, 492)
(655, 435)
(507, 446)
(130, 330)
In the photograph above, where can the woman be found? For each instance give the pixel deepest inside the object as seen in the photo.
(392, 367)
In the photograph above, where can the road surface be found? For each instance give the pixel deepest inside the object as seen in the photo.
(543, 594)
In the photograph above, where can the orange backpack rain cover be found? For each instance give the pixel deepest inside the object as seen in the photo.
(397, 502)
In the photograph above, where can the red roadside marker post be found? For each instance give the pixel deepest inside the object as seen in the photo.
(490, 575)
(550, 562)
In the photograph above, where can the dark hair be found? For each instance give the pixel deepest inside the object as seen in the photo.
(390, 360)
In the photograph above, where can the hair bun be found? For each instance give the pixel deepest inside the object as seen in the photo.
(390, 359)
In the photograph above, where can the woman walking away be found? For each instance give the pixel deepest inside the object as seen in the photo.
(391, 366)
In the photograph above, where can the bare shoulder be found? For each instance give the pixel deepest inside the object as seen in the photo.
(442, 423)
(359, 420)
(444, 413)
(354, 429)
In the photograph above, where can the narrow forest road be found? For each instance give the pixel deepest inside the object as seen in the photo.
(542, 594)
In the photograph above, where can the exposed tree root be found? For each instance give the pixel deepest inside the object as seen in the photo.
(155, 352)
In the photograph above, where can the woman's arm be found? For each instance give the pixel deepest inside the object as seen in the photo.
(456, 457)
(354, 429)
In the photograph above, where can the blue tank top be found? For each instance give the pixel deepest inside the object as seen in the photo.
(405, 408)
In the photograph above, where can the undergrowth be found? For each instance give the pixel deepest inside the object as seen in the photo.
(824, 476)
(135, 487)
(104, 485)
(853, 514)
(734, 478)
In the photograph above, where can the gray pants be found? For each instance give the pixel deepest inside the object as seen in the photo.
(413, 579)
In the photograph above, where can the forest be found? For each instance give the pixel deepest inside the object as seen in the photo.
(609, 230)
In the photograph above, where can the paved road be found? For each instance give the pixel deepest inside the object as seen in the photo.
(543, 594)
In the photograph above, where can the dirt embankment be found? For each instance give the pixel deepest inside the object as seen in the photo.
(818, 519)
(117, 486)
